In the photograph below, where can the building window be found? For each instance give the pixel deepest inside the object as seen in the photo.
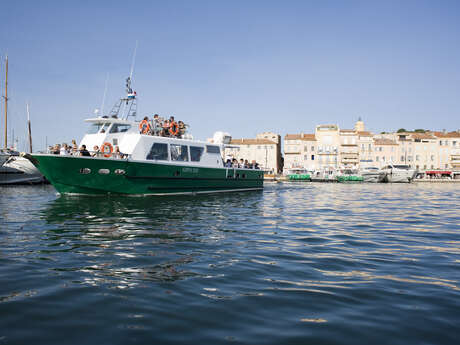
(417, 157)
(432, 158)
(402, 158)
(305, 157)
(312, 149)
(377, 158)
(409, 158)
(312, 157)
(305, 148)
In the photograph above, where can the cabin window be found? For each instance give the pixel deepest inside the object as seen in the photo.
(85, 171)
(104, 171)
(158, 152)
(94, 128)
(119, 128)
(195, 153)
(179, 153)
(212, 149)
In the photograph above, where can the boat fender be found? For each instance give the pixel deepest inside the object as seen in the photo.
(174, 128)
(144, 127)
(107, 149)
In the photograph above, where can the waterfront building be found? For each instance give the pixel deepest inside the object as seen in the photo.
(332, 147)
(264, 149)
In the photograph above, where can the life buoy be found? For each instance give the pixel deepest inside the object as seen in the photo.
(144, 127)
(173, 128)
(107, 153)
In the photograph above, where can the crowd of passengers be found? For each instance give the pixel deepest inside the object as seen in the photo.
(73, 150)
(161, 127)
(242, 164)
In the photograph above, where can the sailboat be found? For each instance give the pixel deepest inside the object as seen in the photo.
(13, 168)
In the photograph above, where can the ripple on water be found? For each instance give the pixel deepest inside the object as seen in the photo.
(296, 263)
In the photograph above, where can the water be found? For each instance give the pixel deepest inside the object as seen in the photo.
(295, 264)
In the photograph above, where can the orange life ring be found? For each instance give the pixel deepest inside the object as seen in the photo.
(144, 127)
(174, 131)
(110, 149)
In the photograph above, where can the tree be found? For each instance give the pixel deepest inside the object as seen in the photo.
(419, 131)
(401, 130)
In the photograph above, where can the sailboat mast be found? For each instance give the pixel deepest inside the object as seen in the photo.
(29, 128)
(6, 104)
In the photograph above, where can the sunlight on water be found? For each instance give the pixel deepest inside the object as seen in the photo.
(296, 263)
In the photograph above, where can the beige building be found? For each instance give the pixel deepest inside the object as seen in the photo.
(265, 150)
(338, 148)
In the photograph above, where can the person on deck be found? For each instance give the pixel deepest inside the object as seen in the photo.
(84, 152)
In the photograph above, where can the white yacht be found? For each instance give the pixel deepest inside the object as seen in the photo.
(3, 157)
(372, 174)
(19, 170)
(399, 173)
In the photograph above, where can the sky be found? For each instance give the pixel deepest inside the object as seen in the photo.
(243, 67)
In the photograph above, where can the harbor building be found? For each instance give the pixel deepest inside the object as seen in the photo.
(265, 149)
(332, 147)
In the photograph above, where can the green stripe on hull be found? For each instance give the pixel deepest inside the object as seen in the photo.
(82, 175)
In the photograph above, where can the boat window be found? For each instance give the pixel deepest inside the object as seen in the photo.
(212, 149)
(179, 153)
(119, 128)
(158, 152)
(195, 153)
(94, 128)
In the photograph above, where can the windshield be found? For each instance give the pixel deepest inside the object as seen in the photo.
(95, 127)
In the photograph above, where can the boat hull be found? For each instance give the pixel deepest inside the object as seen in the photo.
(88, 175)
(374, 177)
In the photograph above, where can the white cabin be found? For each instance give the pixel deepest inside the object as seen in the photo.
(142, 147)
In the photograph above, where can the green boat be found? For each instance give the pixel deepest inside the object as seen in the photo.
(147, 164)
(348, 175)
(298, 174)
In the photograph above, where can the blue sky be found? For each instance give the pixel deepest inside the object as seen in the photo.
(239, 66)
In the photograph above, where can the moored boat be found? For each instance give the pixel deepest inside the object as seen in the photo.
(146, 165)
(399, 173)
(372, 174)
(348, 175)
(298, 174)
(18, 170)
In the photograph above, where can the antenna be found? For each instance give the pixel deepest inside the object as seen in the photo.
(134, 60)
(105, 93)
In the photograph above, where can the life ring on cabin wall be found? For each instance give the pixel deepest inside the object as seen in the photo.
(174, 128)
(107, 149)
(144, 127)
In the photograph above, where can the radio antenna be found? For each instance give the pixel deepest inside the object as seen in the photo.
(132, 63)
(105, 93)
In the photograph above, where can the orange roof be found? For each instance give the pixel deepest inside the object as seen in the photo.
(302, 136)
(447, 135)
(365, 134)
(252, 142)
(382, 141)
(347, 131)
(422, 136)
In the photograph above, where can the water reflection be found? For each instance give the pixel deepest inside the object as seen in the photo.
(124, 240)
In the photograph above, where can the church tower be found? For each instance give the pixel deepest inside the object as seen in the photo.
(359, 125)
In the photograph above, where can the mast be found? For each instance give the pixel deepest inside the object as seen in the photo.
(29, 128)
(6, 103)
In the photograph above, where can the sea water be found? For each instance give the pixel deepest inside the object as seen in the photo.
(296, 263)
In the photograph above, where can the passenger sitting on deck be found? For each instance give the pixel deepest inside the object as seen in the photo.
(144, 126)
(84, 151)
(246, 164)
(165, 131)
(254, 165)
(117, 154)
(95, 152)
(181, 129)
(156, 125)
(228, 163)
(241, 165)
(234, 163)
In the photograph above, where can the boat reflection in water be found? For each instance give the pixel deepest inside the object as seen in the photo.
(123, 241)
